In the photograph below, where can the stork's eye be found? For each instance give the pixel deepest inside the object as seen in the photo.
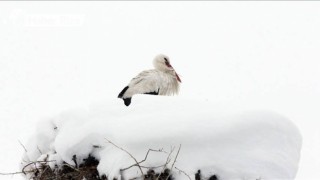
(166, 59)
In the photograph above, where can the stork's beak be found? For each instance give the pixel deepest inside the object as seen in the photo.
(178, 78)
(169, 66)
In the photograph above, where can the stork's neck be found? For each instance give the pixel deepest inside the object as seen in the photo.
(162, 68)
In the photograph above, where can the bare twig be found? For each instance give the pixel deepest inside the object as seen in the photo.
(27, 166)
(14, 173)
(38, 169)
(7, 174)
(147, 167)
(175, 159)
(167, 162)
(22, 146)
(39, 150)
(128, 154)
(24, 172)
(145, 158)
(183, 172)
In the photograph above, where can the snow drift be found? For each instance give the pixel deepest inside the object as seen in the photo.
(248, 145)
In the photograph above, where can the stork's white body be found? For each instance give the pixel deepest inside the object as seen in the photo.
(163, 80)
(153, 81)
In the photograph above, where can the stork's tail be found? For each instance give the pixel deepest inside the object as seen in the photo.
(122, 92)
(127, 101)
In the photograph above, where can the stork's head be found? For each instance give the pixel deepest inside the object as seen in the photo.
(162, 63)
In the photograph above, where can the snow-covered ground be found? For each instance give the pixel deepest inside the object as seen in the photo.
(249, 145)
(56, 56)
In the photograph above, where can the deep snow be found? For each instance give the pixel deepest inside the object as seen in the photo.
(233, 145)
(241, 55)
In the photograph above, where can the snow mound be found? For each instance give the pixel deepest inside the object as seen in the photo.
(248, 145)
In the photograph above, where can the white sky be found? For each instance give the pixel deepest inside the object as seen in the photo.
(243, 55)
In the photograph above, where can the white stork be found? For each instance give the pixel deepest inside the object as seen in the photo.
(163, 80)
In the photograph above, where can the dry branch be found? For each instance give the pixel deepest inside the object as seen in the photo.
(145, 158)
(175, 159)
(128, 154)
(167, 162)
(23, 169)
(39, 170)
(22, 146)
(183, 172)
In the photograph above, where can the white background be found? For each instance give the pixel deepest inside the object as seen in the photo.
(56, 56)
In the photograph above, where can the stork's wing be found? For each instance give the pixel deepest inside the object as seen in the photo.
(149, 75)
(145, 82)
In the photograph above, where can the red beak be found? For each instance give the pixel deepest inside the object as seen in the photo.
(169, 65)
(178, 78)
